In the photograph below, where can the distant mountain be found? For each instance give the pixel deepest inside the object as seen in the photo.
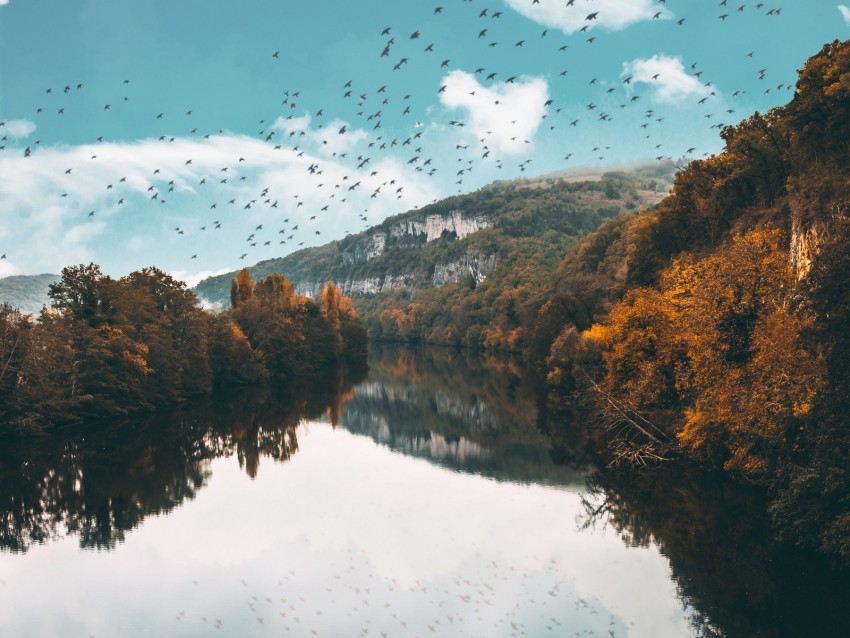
(27, 293)
(461, 236)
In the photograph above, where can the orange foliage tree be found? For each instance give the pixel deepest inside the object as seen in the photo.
(717, 347)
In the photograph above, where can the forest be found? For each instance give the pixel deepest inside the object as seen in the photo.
(108, 347)
(713, 328)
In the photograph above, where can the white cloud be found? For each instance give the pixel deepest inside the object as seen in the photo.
(505, 115)
(331, 139)
(613, 15)
(667, 76)
(292, 124)
(46, 200)
(2, 2)
(845, 13)
(18, 128)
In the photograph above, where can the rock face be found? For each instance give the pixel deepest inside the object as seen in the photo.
(804, 246)
(353, 287)
(415, 232)
(473, 263)
(366, 249)
(808, 233)
(434, 226)
(411, 234)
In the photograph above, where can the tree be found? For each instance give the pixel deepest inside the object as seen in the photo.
(232, 359)
(819, 116)
(718, 349)
(330, 300)
(161, 312)
(78, 293)
(111, 372)
(112, 347)
(242, 289)
(15, 347)
(811, 499)
(275, 291)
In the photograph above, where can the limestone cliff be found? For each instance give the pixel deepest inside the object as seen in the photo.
(357, 267)
(414, 232)
(472, 262)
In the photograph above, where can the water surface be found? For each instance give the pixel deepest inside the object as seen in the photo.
(421, 501)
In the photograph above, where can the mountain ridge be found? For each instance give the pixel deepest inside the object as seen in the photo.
(459, 236)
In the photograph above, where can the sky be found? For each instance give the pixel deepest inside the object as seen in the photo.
(202, 136)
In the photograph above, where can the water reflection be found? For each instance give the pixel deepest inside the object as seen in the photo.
(100, 484)
(254, 516)
(457, 410)
(444, 406)
(717, 535)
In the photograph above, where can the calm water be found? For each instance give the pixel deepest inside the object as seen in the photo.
(421, 501)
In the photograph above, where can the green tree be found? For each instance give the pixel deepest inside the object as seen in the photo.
(78, 293)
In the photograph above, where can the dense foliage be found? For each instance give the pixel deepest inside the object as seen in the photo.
(535, 226)
(110, 347)
(715, 325)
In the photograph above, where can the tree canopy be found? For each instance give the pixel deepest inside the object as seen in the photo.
(110, 347)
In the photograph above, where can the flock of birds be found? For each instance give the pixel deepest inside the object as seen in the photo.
(290, 220)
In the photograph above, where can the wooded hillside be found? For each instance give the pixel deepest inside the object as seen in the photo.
(715, 326)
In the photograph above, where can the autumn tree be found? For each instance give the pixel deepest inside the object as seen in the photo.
(276, 291)
(340, 313)
(718, 349)
(812, 494)
(330, 299)
(160, 312)
(819, 115)
(232, 359)
(112, 347)
(15, 347)
(110, 375)
(241, 288)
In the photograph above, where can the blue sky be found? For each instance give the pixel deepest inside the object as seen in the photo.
(196, 135)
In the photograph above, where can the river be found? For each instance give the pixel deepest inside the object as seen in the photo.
(420, 500)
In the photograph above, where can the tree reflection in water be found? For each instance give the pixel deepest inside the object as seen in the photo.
(103, 480)
(729, 573)
(717, 537)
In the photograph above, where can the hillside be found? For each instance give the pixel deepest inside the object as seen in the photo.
(27, 293)
(467, 235)
(715, 325)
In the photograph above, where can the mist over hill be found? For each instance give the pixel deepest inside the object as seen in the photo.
(27, 293)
